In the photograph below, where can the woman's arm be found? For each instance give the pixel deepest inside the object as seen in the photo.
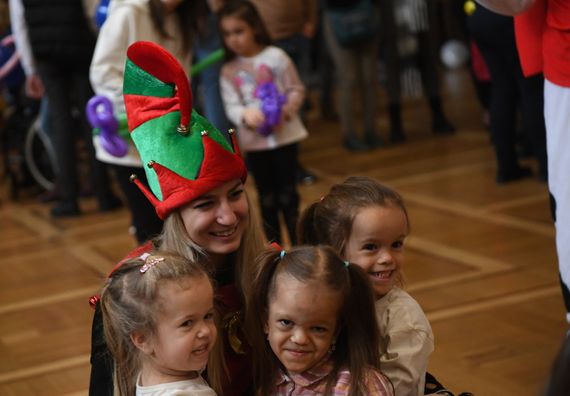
(507, 7)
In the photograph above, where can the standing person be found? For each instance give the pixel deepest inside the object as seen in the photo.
(291, 25)
(158, 315)
(61, 46)
(367, 223)
(312, 326)
(196, 183)
(355, 58)
(543, 41)
(168, 23)
(262, 94)
(494, 35)
(410, 38)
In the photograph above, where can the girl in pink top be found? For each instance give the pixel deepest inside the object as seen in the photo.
(312, 326)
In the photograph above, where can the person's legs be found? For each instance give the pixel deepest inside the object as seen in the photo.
(57, 87)
(284, 159)
(557, 118)
(532, 102)
(388, 39)
(503, 110)
(500, 55)
(368, 90)
(347, 68)
(262, 165)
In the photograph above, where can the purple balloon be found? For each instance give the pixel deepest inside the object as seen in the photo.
(100, 115)
(271, 103)
(271, 100)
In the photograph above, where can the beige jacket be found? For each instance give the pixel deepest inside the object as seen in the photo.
(406, 341)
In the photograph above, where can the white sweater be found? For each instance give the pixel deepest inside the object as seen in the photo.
(127, 21)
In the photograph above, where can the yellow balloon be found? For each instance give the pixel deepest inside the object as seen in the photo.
(469, 7)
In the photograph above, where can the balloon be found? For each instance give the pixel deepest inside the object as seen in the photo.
(100, 115)
(101, 13)
(271, 100)
(208, 61)
(454, 54)
(469, 7)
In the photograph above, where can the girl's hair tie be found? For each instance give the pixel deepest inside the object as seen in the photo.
(282, 254)
(149, 262)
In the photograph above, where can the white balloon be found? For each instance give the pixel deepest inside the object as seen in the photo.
(454, 54)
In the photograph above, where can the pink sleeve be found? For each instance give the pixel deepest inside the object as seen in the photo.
(294, 88)
(377, 384)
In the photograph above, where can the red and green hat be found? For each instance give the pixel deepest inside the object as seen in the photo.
(186, 155)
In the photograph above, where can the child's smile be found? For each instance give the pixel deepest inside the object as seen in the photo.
(376, 244)
(302, 323)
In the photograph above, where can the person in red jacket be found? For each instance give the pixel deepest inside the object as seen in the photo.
(196, 181)
(543, 41)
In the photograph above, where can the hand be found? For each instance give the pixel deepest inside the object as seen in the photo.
(34, 86)
(7, 41)
(285, 115)
(253, 117)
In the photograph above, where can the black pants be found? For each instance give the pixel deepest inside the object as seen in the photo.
(67, 86)
(494, 35)
(275, 177)
(143, 215)
(101, 380)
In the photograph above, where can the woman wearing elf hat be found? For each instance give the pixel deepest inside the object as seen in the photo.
(196, 186)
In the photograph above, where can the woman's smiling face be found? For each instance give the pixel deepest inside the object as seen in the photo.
(216, 221)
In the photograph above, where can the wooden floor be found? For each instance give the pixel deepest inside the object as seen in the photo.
(481, 260)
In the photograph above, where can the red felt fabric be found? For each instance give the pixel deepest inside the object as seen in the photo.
(219, 166)
(141, 109)
(158, 62)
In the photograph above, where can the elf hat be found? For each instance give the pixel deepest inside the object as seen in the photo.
(186, 155)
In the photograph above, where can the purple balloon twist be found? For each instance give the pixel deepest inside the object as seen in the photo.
(100, 115)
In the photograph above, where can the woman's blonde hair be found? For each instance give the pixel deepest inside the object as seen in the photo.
(129, 304)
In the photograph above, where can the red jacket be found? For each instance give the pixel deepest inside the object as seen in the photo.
(543, 40)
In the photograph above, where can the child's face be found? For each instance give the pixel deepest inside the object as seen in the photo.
(376, 244)
(217, 220)
(239, 36)
(301, 324)
(185, 332)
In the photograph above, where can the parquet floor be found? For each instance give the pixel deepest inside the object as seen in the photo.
(481, 260)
